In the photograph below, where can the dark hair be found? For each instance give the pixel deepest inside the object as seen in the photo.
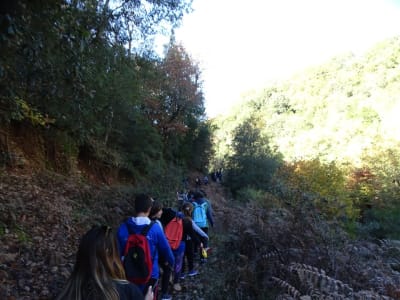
(97, 265)
(198, 195)
(157, 206)
(142, 203)
(187, 209)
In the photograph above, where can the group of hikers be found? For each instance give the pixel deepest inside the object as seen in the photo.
(147, 256)
(216, 176)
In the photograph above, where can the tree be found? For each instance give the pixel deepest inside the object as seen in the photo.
(174, 102)
(253, 162)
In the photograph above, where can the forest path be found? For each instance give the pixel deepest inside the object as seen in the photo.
(211, 273)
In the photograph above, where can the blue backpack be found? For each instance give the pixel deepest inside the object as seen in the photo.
(199, 214)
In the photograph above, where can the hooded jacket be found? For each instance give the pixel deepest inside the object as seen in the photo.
(157, 241)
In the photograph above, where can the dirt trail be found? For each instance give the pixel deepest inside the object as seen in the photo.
(202, 286)
(42, 217)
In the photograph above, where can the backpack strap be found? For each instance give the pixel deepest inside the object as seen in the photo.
(147, 228)
(144, 231)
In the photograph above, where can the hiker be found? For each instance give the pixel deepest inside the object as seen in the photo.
(181, 198)
(219, 175)
(155, 215)
(191, 237)
(214, 176)
(98, 273)
(205, 180)
(171, 217)
(202, 214)
(197, 182)
(190, 196)
(157, 241)
(185, 182)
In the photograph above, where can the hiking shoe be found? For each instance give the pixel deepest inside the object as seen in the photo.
(182, 276)
(193, 273)
(166, 297)
(177, 287)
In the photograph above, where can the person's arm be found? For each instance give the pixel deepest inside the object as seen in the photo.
(122, 236)
(163, 246)
(194, 236)
(198, 230)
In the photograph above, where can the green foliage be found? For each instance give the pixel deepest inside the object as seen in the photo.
(381, 223)
(323, 183)
(330, 112)
(383, 161)
(252, 163)
(335, 126)
(65, 65)
(22, 235)
(197, 148)
(26, 112)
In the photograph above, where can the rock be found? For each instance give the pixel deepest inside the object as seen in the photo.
(8, 257)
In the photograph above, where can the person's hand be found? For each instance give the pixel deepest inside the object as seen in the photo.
(149, 294)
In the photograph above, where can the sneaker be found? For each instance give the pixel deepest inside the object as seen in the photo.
(166, 297)
(177, 287)
(182, 276)
(193, 273)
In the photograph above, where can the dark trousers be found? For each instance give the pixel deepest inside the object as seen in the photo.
(205, 241)
(189, 255)
(166, 275)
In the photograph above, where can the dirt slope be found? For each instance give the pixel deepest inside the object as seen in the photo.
(42, 217)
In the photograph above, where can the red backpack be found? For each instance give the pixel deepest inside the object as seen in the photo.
(173, 232)
(137, 260)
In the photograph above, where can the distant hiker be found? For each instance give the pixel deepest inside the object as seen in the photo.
(197, 182)
(185, 182)
(214, 176)
(98, 273)
(193, 235)
(158, 244)
(181, 198)
(205, 180)
(190, 196)
(156, 213)
(202, 213)
(219, 175)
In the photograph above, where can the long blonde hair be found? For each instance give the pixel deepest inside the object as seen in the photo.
(97, 266)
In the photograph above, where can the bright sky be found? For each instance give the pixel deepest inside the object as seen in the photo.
(243, 45)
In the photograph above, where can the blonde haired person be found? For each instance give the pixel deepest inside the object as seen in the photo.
(98, 273)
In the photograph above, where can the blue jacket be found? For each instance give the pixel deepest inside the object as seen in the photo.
(157, 241)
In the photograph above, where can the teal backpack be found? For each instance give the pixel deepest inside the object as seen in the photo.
(199, 214)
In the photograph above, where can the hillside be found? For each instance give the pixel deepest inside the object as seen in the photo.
(43, 216)
(258, 252)
(342, 110)
(309, 206)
